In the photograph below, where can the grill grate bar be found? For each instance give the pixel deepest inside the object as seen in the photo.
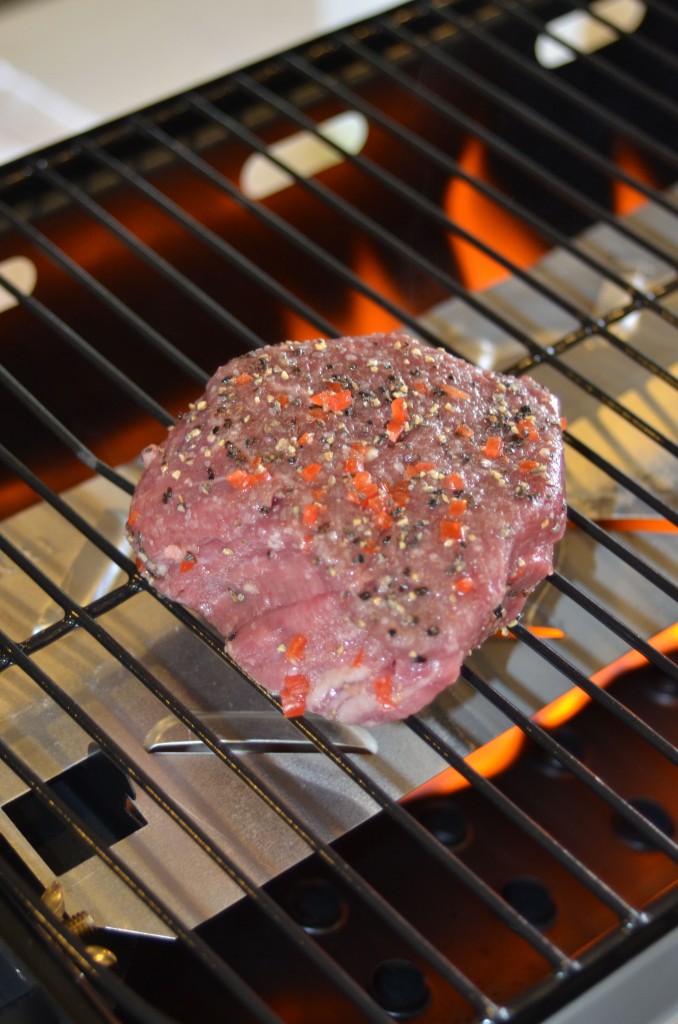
(566, 190)
(259, 896)
(584, 774)
(547, 128)
(662, 8)
(627, 914)
(634, 38)
(538, 352)
(59, 960)
(207, 237)
(359, 887)
(643, 568)
(631, 485)
(587, 324)
(599, 695)
(104, 294)
(415, 200)
(284, 228)
(61, 431)
(613, 623)
(595, 60)
(439, 158)
(197, 946)
(151, 257)
(83, 347)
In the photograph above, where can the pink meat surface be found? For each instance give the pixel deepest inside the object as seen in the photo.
(354, 516)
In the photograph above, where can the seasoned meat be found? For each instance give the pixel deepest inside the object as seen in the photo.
(354, 516)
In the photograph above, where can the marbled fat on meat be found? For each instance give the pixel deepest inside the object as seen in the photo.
(354, 516)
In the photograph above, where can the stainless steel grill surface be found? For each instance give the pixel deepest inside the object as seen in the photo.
(497, 178)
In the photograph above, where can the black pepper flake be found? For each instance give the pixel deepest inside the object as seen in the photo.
(392, 632)
(210, 473)
(421, 591)
(365, 595)
(433, 631)
(419, 659)
(498, 611)
(167, 495)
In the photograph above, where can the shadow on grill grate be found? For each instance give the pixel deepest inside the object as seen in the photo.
(450, 168)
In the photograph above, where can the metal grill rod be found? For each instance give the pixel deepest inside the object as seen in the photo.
(584, 774)
(83, 348)
(547, 127)
(434, 213)
(615, 625)
(262, 900)
(195, 945)
(636, 39)
(103, 294)
(36, 947)
(208, 237)
(627, 914)
(595, 60)
(538, 352)
(151, 257)
(553, 182)
(587, 324)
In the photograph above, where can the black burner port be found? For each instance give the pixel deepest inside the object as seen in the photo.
(400, 988)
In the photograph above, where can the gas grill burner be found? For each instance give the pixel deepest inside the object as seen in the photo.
(498, 178)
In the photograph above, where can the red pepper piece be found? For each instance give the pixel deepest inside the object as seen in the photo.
(187, 563)
(296, 647)
(244, 378)
(527, 428)
(450, 529)
(394, 427)
(383, 688)
(242, 480)
(494, 446)
(461, 396)
(417, 468)
(463, 431)
(336, 401)
(293, 694)
(464, 584)
(455, 482)
(310, 514)
(527, 466)
(311, 471)
(457, 507)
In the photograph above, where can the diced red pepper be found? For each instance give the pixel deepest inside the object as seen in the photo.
(296, 647)
(242, 480)
(455, 482)
(421, 387)
(457, 507)
(394, 427)
(383, 689)
(293, 694)
(527, 428)
(244, 378)
(464, 584)
(527, 466)
(304, 438)
(282, 400)
(494, 446)
(310, 514)
(311, 471)
(463, 431)
(383, 520)
(187, 563)
(361, 480)
(336, 401)
(316, 414)
(461, 396)
(450, 529)
(417, 468)
(353, 465)
(563, 422)
(133, 517)
(358, 660)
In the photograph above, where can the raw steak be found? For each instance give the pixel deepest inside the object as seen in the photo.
(354, 516)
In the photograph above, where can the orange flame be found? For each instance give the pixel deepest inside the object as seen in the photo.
(488, 221)
(500, 753)
(625, 198)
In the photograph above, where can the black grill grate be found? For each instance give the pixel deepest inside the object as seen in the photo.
(151, 258)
